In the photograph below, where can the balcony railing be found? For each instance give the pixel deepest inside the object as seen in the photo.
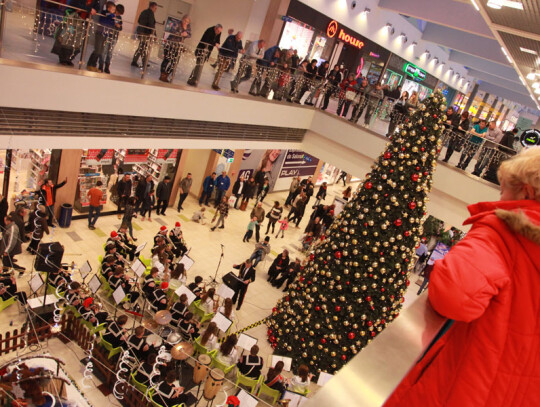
(58, 34)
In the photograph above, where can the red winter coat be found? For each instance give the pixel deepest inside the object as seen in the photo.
(490, 285)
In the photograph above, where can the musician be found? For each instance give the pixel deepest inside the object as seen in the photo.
(178, 276)
(179, 309)
(91, 313)
(8, 288)
(247, 275)
(144, 371)
(73, 294)
(208, 301)
(197, 287)
(60, 278)
(162, 233)
(114, 238)
(119, 278)
(251, 365)
(159, 298)
(209, 338)
(129, 248)
(137, 345)
(189, 328)
(227, 308)
(167, 394)
(177, 238)
(115, 334)
(111, 251)
(150, 282)
(162, 242)
(108, 266)
(160, 260)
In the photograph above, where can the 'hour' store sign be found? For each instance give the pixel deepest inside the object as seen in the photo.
(333, 29)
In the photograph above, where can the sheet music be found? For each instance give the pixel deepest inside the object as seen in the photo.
(85, 269)
(286, 361)
(225, 291)
(119, 295)
(160, 267)
(36, 282)
(187, 261)
(138, 267)
(246, 342)
(246, 399)
(323, 378)
(184, 290)
(38, 302)
(140, 248)
(297, 400)
(222, 322)
(94, 284)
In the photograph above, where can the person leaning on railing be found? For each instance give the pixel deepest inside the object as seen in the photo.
(399, 112)
(146, 28)
(270, 59)
(375, 96)
(227, 56)
(488, 285)
(360, 101)
(172, 49)
(106, 22)
(493, 136)
(460, 125)
(473, 144)
(333, 79)
(211, 38)
(254, 51)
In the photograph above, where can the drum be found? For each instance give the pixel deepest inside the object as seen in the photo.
(165, 332)
(173, 338)
(202, 366)
(213, 384)
(154, 340)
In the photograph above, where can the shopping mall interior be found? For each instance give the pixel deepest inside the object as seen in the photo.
(203, 122)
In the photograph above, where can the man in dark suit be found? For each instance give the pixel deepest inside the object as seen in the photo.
(210, 39)
(246, 275)
(145, 29)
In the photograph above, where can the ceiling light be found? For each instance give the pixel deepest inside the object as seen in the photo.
(498, 4)
(435, 60)
(537, 91)
(531, 75)
(390, 28)
(536, 85)
(506, 54)
(442, 64)
(366, 11)
(403, 38)
(528, 51)
(414, 44)
(475, 5)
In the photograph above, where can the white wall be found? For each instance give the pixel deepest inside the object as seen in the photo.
(196, 164)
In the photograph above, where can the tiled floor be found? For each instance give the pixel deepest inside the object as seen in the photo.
(205, 250)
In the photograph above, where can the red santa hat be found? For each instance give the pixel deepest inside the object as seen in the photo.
(114, 234)
(164, 285)
(163, 228)
(89, 301)
(177, 225)
(232, 401)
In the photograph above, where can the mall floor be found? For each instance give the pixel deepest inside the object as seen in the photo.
(83, 244)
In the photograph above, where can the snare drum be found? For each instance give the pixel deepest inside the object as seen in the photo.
(213, 384)
(154, 340)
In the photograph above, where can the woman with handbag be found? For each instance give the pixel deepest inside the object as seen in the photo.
(346, 96)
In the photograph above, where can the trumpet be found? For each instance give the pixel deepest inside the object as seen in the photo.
(123, 260)
(171, 242)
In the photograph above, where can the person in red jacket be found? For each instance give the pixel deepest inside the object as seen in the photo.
(48, 193)
(489, 284)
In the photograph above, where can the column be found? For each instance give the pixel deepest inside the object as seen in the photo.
(273, 23)
(70, 164)
(492, 107)
(178, 177)
(234, 169)
(472, 95)
(482, 105)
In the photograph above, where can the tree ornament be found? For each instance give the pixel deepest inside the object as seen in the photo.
(398, 222)
(412, 205)
(415, 177)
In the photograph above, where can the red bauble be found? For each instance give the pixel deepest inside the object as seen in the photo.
(415, 177)
(302, 278)
(398, 222)
(274, 310)
(302, 339)
(382, 290)
(272, 339)
(348, 282)
(351, 335)
(408, 282)
(343, 357)
(368, 298)
(424, 128)
(317, 308)
(391, 171)
(274, 345)
(403, 148)
(369, 323)
(287, 298)
(323, 341)
(373, 333)
(337, 254)
(383, 321)
(402, 300)
(422, 149)
(311, 256)
(434, 116)
(387, 155)
(426, 173)
(407, 233)
(391, 297)
(269, 332)
(412, 205)
(337, 308)
(368, 185)
(417, 168)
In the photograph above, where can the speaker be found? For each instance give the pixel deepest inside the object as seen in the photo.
(49, 257)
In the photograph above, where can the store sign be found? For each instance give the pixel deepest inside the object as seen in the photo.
(136, 155)
(374, 55)
(99, 157)
(167, 156)
(415, 72)
(225, 152)
(333, 29)
(530, 138)
(298, 163)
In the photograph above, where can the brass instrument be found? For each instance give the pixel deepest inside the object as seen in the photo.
(170, 241)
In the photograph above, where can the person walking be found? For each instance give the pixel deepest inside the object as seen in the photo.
(48, 192)
(223, 182)
(163, 194)
(247, 193)
(321, 194)
(142, 192)
(238, 190)
(343, 177)
(210, 39)
(146, 27)
(258, 212)
(223, 211)
(208, 187)
(292, 190)
(129, 214)
(246, 274)
(248, 63)
(273, 216)
(185, 187)
(95, 195)
(283, 226)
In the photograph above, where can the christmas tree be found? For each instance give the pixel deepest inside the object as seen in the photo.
(353, 284)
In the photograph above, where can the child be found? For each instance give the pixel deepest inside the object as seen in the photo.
(284, 225)
(307, 240)
(147, 205)
(250, 227)
(112, 39)
(198, 216)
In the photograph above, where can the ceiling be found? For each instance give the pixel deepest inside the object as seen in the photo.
(475, 39)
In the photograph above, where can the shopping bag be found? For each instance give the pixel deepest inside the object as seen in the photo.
(232, 201)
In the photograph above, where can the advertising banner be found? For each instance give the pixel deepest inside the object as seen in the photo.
(167, 156)
(267, 161)
(298, 163)
(137, 155)
(99, 157)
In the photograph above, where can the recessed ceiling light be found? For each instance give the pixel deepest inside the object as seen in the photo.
(535, 85)
(537, 91)
(498, 4)
(531, 75)
(506, 54)
(528, 51)
(475, 5)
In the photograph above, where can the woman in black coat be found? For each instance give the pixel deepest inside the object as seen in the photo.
(398, 113)
(460, 128)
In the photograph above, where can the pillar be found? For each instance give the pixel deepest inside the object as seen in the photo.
(471, 98)
(482, 105)
(273, 23)
(178, 177)
(70, 164)
(492, 108)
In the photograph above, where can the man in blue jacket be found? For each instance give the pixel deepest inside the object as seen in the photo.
(208, 187)
(269, 60)
(227, 56)
(223, 182)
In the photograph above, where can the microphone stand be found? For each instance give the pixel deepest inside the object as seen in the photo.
(214, 282)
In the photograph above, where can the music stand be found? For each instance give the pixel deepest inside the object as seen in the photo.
(118, 296)
(138, 267)
(186, 261)
(94, 284)
(223, 323)
(140, 248)
(35, 283)
(85, 269)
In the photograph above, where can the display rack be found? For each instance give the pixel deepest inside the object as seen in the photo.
(39, 169)
(87, 179)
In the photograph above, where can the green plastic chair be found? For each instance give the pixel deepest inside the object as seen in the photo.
(201, 349)
(6, 303)
(268, 391)
(220, 365)
(201, 313)
(246, 381)
(138, 385)
(108, 346)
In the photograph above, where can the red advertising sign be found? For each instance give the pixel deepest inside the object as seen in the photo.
(167, 156)
(136, 155)
(333, 28)
(99, 157)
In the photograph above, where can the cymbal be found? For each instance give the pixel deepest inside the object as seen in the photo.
(150, 324)
(163, 317)
(182, 351)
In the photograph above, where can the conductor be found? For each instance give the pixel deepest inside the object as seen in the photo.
(246, 275)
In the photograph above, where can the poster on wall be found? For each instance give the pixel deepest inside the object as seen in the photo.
(99, 157)
(267, 161)
(166, 156)
(296, 163)
(136, 155)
